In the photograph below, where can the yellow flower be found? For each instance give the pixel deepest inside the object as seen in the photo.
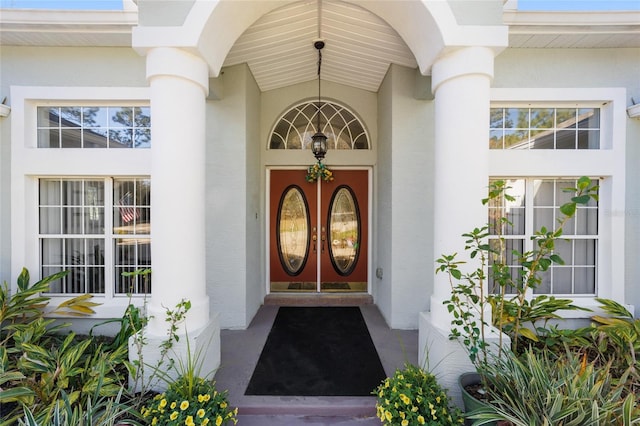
(154, 422)
(200, 398)
(405, 423)
(163, 403)
(205, 422)
(405, 399)
(173, 405)
(223, 404)
(200, 413)
(184, 405)
(173, 415)
(218, 420)
(388, 415)
(189, 421)
(421, 420)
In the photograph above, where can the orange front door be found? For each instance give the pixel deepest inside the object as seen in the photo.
(318, 232)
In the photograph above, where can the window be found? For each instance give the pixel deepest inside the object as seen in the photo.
(544, 128)
(537, 204)
(96, 228)
(342, 128)
(93, 127)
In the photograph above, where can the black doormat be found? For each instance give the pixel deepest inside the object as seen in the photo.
(323, 351)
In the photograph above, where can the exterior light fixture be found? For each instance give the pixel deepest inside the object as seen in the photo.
(319, 140)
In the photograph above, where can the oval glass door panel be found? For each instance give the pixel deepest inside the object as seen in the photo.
(344, 230)
(293, 230)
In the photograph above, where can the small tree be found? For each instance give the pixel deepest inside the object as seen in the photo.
(508, 299)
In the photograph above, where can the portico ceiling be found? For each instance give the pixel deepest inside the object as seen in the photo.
(359, 46)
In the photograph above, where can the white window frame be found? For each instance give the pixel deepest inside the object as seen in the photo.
(607, 164)
(30, 163)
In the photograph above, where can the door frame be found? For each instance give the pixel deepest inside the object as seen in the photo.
(267, 222)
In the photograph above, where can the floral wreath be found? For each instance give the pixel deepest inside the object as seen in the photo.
(319, 171)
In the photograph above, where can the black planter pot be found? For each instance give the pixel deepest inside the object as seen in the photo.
(471, 403)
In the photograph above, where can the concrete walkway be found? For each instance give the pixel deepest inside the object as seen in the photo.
(241, 350)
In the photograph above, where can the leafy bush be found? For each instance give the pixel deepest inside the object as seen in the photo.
(414, 397)
(37, 365)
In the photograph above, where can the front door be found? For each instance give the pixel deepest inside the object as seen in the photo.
(318, 232)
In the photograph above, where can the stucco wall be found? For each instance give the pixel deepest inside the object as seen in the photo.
(255, 258)
(228, 134)
(384, 200)
(51, 66)
(406, 189)
(590, 68)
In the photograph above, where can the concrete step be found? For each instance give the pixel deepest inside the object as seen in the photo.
(291, 420)
(318, 299)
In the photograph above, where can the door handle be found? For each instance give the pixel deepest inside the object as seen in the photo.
(323, 237)
(314, 238)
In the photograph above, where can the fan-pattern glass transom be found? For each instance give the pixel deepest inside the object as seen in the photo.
(342, 128)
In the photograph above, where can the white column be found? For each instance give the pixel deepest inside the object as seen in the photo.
(179, 86)
(461, 84)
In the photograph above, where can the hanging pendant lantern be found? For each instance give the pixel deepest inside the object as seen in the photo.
(319, 140)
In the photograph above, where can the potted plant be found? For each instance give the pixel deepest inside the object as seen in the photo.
(494, 294)
(414, 397)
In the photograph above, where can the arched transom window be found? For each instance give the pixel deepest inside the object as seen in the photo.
(342, 128)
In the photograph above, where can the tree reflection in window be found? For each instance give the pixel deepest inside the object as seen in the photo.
(94, 127)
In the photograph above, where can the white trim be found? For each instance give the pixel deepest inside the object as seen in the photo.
(607, 164)
(28, 163)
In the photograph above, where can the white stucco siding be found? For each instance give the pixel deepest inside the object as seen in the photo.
(569, 68)
(405, 191)
(70, 66)
(255, 258)
(382, 285)
(226, 192)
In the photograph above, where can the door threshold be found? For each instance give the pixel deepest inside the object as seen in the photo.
(318, 299)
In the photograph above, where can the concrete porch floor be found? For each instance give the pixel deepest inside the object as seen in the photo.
(241, 350)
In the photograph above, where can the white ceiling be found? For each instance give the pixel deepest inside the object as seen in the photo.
(359, 45)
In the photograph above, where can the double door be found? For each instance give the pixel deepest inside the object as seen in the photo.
(318, 232)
